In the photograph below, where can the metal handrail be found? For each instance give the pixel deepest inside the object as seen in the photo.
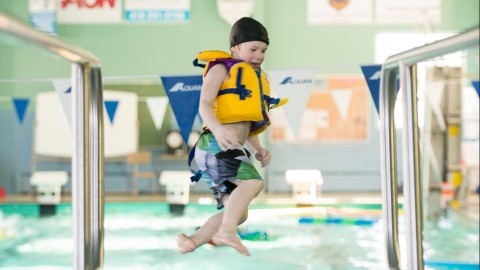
(87, 130)
(46, 42)
(405, 64)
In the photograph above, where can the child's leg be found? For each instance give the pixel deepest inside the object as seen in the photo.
(237, 208)
(205, 233)
(201, 236)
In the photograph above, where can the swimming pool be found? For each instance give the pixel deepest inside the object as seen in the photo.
(142, 236)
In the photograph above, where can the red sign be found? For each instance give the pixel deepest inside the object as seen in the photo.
(89, 11)
(88, 3)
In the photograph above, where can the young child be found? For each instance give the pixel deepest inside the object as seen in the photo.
(234, 102)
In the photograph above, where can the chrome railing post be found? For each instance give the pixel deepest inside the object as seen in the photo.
(389, 164)
(97, 167)
(411, 170)
(80, 165)
(87, 169)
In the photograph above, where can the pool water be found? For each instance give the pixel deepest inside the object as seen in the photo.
(143, 236)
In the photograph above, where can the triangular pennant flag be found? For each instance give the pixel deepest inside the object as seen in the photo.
(372, 74)
(20, 105)
(184, 95)
(111, 107)
(476, 86)
(64, 89)
(157, 106)
(342, 98)
(296, 85)
(231, 11)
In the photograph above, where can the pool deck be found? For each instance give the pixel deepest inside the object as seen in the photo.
(470, 209)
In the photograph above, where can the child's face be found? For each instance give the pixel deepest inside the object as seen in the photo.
(252, 52)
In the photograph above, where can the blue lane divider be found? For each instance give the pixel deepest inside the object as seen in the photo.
(453, 265)
(338, 220)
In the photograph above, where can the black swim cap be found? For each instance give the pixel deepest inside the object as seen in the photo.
(247, 29)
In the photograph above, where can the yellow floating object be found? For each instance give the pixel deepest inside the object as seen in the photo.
(453, 130)
(455, 204)
(456, 179)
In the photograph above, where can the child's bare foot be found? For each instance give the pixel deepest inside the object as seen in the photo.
(185, 244)
(230, 239)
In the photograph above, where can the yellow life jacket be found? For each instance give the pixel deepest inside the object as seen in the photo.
(244, 96)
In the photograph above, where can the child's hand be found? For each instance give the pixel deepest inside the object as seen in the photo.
(263, 155)
(226, 138)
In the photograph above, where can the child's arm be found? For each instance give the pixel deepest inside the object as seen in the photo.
(212, 82)
(261, 154)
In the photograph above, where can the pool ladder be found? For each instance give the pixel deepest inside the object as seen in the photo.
(404, 64)
(87, 130)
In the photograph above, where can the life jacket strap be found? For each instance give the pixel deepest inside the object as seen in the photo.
(243, 93)
(197, 174)
(275, 102)
(270, 100)
(196, 64)
(240, 89)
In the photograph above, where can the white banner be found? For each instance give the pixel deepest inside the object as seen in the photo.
(339, 11)
(157, 106)
(170, 11)
(89, 11)
(342, 98)
(296, 85)
(121, 136)
(64, 92)
(408, 11)
(232, 10)
(53, 136)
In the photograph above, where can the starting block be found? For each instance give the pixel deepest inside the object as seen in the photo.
(304, 184)
(177, 188)
(49, 185)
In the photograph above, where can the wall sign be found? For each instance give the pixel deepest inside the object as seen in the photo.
(89, 11)
(163, 11)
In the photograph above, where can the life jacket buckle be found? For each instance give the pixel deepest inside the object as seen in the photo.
(245, 93)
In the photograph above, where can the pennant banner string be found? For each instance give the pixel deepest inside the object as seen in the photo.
(144, 98)
(140, 99)
(106, 78)
(156, 77)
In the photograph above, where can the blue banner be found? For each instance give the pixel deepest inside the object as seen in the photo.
(475, 85)
(372, 74)
(111, 107)
(20, 105)
(184, 95)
